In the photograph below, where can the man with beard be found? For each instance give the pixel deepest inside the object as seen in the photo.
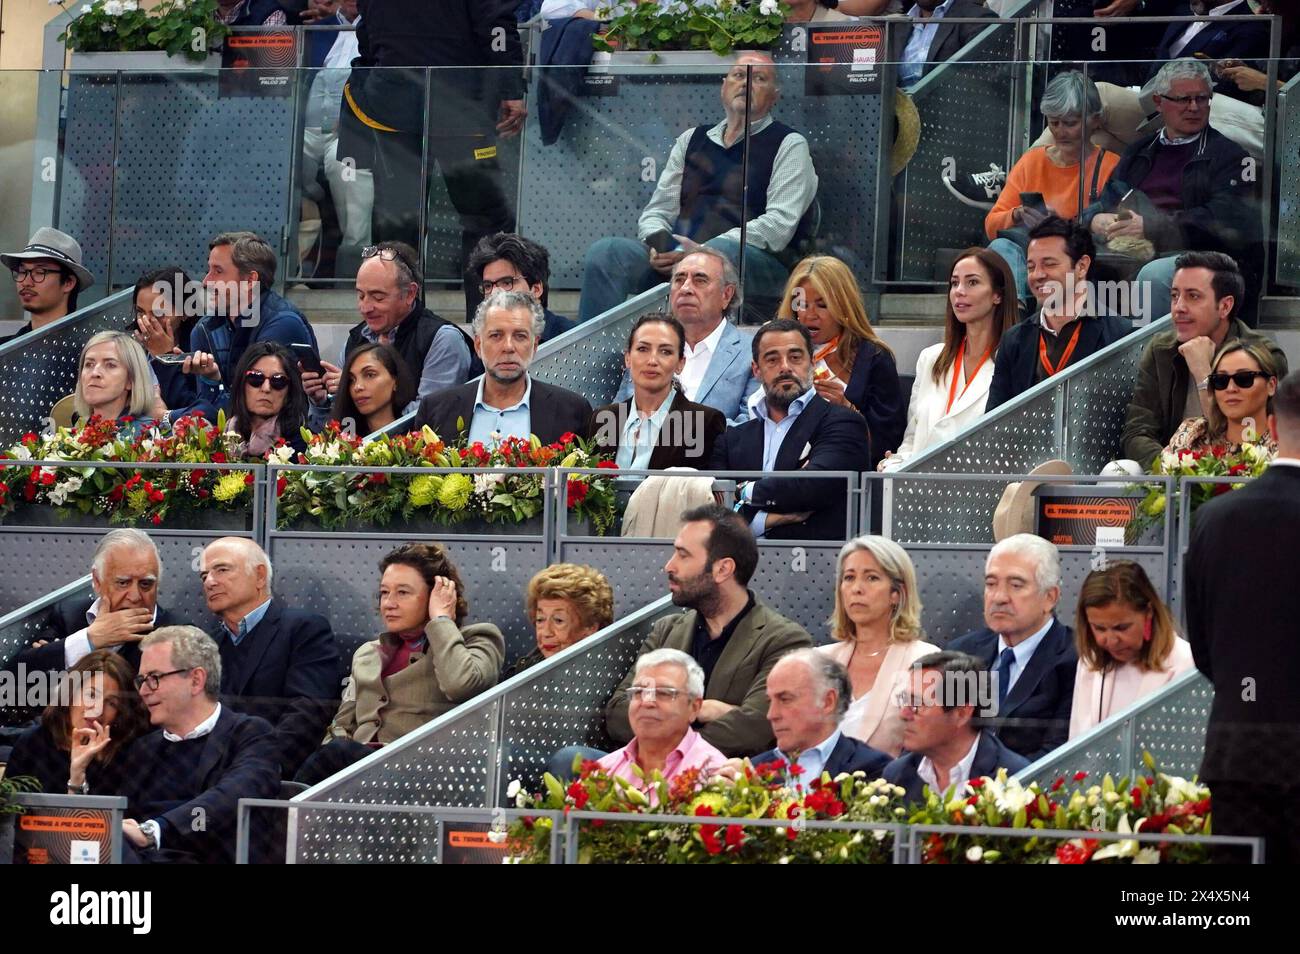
(792, 429)
(735, 639)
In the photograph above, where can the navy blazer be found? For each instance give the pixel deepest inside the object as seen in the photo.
(728, 380)
(949, 36)
(1015, 370)
(553, 411)
(836, 439)
(849, 755)
(990, 755)
(874, 390)
(286, 671)
(68, 617)
(555, 326)
(1035, 717)
(1240, 40)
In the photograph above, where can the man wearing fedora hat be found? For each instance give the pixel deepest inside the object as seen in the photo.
(48, 274)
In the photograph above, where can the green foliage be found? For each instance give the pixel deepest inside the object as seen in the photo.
(699, 26)
(176, 27)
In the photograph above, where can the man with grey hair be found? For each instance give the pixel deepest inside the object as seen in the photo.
(505, 401)
(1185, 187)
(665, 696)
(808, 694)
(184, 781)
(1025, 646)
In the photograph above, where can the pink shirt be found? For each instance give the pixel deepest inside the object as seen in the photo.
(691, 752)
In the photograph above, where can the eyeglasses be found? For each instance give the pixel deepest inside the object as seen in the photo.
(37, 275)
(153, 678)
(257, 378)
(1242, 379)
(501, 284)
(650, 693)
(1185, 101)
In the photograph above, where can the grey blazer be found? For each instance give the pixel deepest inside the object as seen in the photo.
(728, 382)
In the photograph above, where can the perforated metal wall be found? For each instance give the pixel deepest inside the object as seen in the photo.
(369, 837)
(1096, 404)
(1288, 209)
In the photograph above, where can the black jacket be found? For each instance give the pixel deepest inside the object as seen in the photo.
(554, 412)
(1034, 719)
(36, 754)
(1240, 592)
(1015, 370)
(874, 390)
(286, 671)
(835, 438)
(948, 38)
(69, 617)
(671, 449)
(990, 755)
(849, 755)
(1235, 40)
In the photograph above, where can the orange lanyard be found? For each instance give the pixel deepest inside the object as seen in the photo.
(1065, 358)
(827, 349)
(956, 369)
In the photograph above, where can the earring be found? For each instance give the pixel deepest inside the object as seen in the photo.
(1146, 635)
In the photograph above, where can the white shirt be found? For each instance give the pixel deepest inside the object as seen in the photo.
(1189, 34)
(697, 361)
(956, 776)
(1023, 651)
(199, 731)
(77, 646)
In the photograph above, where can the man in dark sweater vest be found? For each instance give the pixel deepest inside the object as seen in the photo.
(708, 189)
(184, 781)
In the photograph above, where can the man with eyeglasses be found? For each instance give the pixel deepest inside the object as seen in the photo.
(1185, 187)
(184, 781)
(943, 743)
(1173, 372)
(507, 261)
(47, 275)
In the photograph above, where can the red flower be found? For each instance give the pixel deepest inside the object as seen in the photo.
(976, 783)
(796, 769)
(157, 496)
(218, 458)
(280, 483)
(1080, 776)
(577, 492)
(379, 478)
(47, 477)
(157, 519)
(578, 792)
(973, 800)
(735, 837)
(30, 438)
(1218, 450)
(1137, 795)
(29, 491)
(196, 478)
(249, 478)
(202, 494)
(1220, 490)
(568, 437)
(1072, 854)
(793, 811)
(607, 465)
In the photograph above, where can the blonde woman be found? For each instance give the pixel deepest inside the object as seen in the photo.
(852, 366)
(877, 628)
(114, 383)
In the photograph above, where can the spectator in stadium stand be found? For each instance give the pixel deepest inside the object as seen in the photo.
(202, 758)
(926, 40)
(1053, 172)
(246, 13)
(657, 427)
(426, 662)
(702, 198)
(942, 732)
(1185, 186)
(375, 390)
(277, 662)
(1068, 325)
(1030, 650)
(1211, 40)
(268, 403)
(48, 275)
(114, 383)
(75, 746)
(505, 401)
(795, 430)
(1241, 622)
(1126, 641)
(567, 602)
(162, 321)
(1243, 380)
(735, 639)
(953, 377)
(1173, 372)
(717, 372)
(384, 122)
(509, 262)
(125, 577)
(666, 695)
(241, 270)
(852, 367)
(438, 353)
(876, 624)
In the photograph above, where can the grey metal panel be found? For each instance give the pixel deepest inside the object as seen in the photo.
(364, 837)
(1288, 213)
(85, 197)
(1096, 405)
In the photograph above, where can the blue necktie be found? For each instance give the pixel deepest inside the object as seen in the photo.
(1004, 674)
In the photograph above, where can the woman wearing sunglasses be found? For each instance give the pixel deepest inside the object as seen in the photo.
(1243, 379)
(268, 402)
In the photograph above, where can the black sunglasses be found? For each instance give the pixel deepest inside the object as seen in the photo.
(1242, 379)
(257, 378)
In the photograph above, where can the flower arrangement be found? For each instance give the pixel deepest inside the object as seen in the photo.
(334, 499)
(692, 25)
(1251, 460)
(186, 27)
(124, 494)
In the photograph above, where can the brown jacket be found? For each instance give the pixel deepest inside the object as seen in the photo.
(459, 664)
(739, 678)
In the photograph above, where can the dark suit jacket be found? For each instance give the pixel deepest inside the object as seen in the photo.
(874, 390)
(554, 411)
(1016, 368)
(849, 755)
(990, 755)
(238, 762)
(556, 325)
(837, 440)
(1035, 717)
(69, 617)
(1241, 40)
(739, 678)
(1240, 592)
(948, 38)
(706, 423)
(286, 671)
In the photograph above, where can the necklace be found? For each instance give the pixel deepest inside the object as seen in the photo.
(854, 652)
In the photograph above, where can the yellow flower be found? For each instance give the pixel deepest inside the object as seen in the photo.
(1156, 505)
(229, 486)
(715, 800)
(423, 490)
(455, 491)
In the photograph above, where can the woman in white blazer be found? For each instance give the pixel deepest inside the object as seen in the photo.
(953, 377)
(1126, 643)
(877, 628)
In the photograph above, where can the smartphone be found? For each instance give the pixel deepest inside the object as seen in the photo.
(661, 242)
(308, 358)
(1032, 200)
(174, 358)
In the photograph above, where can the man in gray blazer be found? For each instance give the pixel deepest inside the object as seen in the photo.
(718, 373)
(735, 638)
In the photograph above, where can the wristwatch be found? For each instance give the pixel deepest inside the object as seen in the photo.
(82, 789)
(150, 830)
(1203, 384)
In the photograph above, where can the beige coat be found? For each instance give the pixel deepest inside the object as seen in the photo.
(1122, 687)
(458, 665)
(881, 725)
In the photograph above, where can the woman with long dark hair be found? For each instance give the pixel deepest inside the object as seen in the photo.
(267, 400)
(375, 388)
